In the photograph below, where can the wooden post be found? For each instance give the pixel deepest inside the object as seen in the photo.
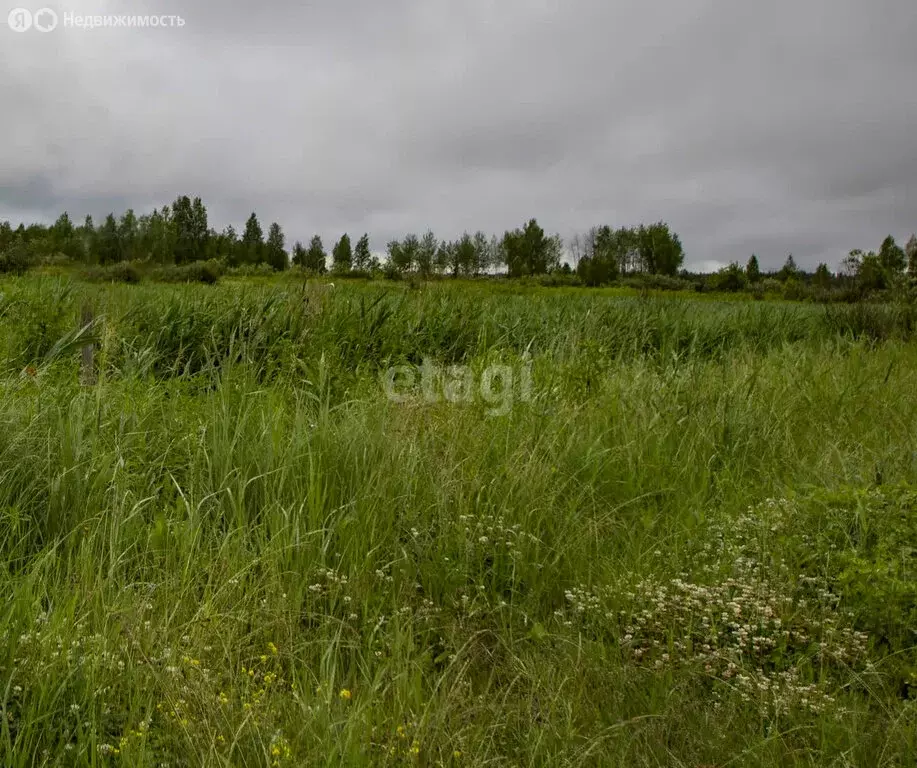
(88, 371)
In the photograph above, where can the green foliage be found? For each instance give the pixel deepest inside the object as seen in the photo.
(557, 279)
(874, 533)
(197, 272)
(891, 257)
(426, 254)
(753, 270)
(298, 256)
(224, 247)
(729, 279)
(127, 236)
(15, 258)
(401, 256)
(649, 282)
(315, 259)
(872, 322)
(122, 272)
(274, 251)
(251, 249)
(362, 257)
(251, 270)
(526, 251)
(107, 241)
(189, 221)
(823, 277)
(693, 545)
(660, 250)
(627, 256)
(870, 275)
(342, 255)
(594, 272)
(464, 255)
(789, 271)
(600, 263)
(794, 289)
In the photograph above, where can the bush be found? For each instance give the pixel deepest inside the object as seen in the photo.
(248, 270)
(657, 283)
(559, 279)
(757, 291)
(355, 274)
(730, 279)
(795, 290)
(771, 285)
(872, 322)
(15, 259)
(123, 272)
(196, 272)
(57, 260)
(391, 272)
(594, 271)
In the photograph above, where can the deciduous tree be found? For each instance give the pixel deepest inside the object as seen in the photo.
(342, 255)
(789, 269)
(316, 258)
(362, 257)
(891, 256)
(822, 276)
(275, 253)
(252, 247)
(753, 270)
(426, 254)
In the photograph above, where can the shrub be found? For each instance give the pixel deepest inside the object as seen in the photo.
(594, 271)
(730, 279)
(57, 260)
(558, 279)
(796, 290)
(391, 272)
(657, 283)
(354, 274)
(771, 285)
(15, 259)
(249, 270)
(123, 272)
(873, 322)
(196, 272)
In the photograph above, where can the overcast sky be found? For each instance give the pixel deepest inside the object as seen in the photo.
(767, 127)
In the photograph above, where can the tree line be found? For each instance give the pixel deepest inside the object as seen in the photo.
(861, 273)
(603, 253)
(180, 234)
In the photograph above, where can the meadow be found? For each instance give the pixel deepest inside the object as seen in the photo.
(695, 544)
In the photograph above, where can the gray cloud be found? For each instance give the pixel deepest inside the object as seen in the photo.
(772, 128)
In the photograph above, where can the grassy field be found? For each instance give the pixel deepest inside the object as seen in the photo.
(693, 544)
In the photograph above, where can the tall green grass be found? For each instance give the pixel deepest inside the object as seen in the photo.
(234, 550)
